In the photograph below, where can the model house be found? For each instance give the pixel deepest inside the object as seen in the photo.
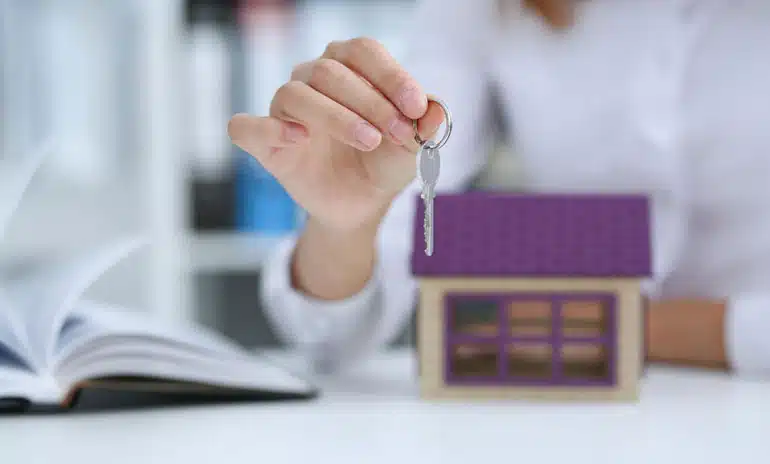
(533, 296)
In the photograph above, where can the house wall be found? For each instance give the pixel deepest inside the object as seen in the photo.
(430, 341)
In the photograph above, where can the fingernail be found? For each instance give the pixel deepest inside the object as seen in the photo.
(367, 135)
(293, 133)
(401, 130)
(412, 102)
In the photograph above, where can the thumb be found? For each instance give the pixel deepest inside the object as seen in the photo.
(428, 125)
(264, 138)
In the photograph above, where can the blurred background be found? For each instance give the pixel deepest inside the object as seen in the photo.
(135, 96)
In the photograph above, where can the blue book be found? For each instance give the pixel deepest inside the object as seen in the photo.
(262, 204)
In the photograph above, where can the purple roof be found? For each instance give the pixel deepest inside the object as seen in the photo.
(538, 235)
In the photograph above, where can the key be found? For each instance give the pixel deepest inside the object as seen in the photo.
(428, 164)
(428, 167)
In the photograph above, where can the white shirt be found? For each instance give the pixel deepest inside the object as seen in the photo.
(667, 97)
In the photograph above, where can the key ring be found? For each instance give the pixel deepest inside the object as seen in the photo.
(448, 120)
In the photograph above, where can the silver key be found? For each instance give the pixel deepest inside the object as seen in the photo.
(428, 167)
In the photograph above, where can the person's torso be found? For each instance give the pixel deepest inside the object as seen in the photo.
(665, 97)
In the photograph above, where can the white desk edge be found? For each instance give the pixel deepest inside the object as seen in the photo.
(372, 415)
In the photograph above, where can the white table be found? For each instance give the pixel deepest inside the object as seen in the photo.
(373, 416)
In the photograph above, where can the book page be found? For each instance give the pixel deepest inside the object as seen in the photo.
(9, 356)
(13, 346)
(15, 383)
(89, 320)
(16, 173)
(102, 340)
(46, 294)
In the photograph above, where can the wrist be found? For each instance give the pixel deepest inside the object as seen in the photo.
(334, 234)
(343, 229)
(338, 241)
(334, 263)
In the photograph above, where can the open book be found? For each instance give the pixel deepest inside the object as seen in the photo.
(58, 349)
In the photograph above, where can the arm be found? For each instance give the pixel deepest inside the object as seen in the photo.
(339, 297)
(727, 332)
(353, 255)
(688, 332)
(724, 334)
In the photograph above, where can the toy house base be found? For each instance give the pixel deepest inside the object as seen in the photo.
(612, 329)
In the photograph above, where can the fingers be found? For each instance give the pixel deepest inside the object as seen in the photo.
(341, 84)
(357, 93)
(373, 62)
(429, 124)
(298, 102)
(262, 136)
(558, 13)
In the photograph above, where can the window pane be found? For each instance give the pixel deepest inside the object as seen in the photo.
(585, 361)
(588, 318)
(530, 360)
(530, 317)
(474, 316)
(474, 360)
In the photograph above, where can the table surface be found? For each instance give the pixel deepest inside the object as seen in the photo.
(372, 415)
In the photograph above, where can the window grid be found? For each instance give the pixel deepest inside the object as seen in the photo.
(556, 339)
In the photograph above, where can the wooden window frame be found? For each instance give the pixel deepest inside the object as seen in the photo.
(556, 339)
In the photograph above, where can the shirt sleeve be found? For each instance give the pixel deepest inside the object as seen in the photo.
(310, 324)
(747, 326)
(448, 63)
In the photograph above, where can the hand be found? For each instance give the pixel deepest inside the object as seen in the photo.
(560, 14)
(339, 136)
